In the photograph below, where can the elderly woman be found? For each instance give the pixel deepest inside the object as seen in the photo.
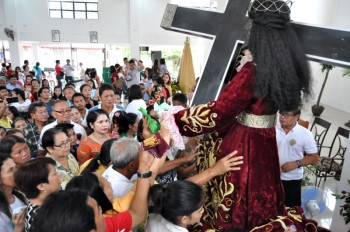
(37, 179)
(57, 144)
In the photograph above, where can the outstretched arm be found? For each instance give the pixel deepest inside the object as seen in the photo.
(226, 164)
(171, 164)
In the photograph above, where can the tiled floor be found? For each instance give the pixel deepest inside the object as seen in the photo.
(337, 118)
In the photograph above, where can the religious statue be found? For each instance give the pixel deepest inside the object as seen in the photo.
(243, 118)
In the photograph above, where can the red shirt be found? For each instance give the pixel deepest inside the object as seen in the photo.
(9, 73)
(58, 70)
(120, 222)
(114, 77)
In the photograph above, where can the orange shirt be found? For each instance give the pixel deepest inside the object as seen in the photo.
(87, 149)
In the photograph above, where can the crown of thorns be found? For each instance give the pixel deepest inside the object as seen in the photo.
(271, 6)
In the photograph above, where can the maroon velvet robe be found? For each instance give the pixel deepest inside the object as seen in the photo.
(241, 199)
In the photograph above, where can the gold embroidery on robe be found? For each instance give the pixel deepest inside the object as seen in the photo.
(151, 141)
(218, 188)
(199, 117)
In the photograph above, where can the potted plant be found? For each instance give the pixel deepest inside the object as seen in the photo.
(346, 72)
(307, 180)
(317, 109)
(345, 208)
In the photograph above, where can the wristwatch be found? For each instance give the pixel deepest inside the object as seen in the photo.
(144, 175)
(299, 163)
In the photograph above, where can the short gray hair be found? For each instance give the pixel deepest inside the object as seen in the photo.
(123, 151)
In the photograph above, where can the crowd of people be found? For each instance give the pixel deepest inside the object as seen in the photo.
(66, 150)
(85, 159)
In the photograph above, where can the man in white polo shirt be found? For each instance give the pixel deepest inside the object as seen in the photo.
(107, 96)
(61, 112)
(69, 71)
(293, 141)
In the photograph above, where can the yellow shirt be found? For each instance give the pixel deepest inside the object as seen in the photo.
(99, 171)
(122, 204)
(66, 174)
(6, 123)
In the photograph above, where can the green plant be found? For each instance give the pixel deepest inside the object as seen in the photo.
(175, 87)
(325, 68)
(306, 181)
(346, 72)
(345, 208)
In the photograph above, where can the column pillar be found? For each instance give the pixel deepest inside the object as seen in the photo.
(15, 52)
(36, 53)
(134, 14)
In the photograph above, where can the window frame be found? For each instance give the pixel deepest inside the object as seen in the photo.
(73, 10)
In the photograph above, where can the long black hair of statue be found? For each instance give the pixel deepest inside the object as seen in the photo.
(282, 72)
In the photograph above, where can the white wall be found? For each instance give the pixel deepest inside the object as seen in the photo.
(2, 20)
(336, 92)
(34, 24)
(334, 14)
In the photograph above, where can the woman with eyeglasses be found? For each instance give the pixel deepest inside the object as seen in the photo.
(98, 122)
(16, 148)
(57, 144)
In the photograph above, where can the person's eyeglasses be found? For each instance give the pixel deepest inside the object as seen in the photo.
(286, 115)
(63, 111)
(64, 144)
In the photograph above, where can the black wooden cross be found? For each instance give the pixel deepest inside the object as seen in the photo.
(324, 45)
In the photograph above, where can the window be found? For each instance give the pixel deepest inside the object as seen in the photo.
(202, 4)
(73, 9)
